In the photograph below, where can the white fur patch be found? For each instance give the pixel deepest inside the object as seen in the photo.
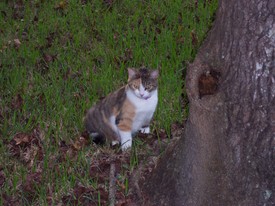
(145, 130)
(126, 140)
(145, 109)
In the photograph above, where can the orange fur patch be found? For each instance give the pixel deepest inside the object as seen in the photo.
(128, 115)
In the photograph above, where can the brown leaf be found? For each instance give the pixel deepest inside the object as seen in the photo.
(121, 185)
(77, 145)
(50, 38)
(50, 194)
(22, 138)
(109, 3)
(83, 2)
(80, 190)
(2, 178)
(29, 187)
(61, 5)
(176, 129)
(32, 180)
(180, 40)
(124, 202)
(128, 55)
(49, 58)
(196, 4)
(35, 18)
(9, 200)
(27, 147)
(162, 134)
(17, 102)
(66, 151)
(116, 36)
(30, 154)
(24, 35)
(17, 43)
(18, 9)
(176, 126)
(81, 195)
(194, 38)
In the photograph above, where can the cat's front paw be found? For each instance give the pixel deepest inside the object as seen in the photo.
(145, 130)
(126, 140)
(126, 146)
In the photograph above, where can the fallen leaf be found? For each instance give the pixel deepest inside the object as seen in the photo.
(18, 9)
(49, 58)
(35, 18)
(50, 39)
(30, 154)
(17, 102)
(2, 178)
(61, 5)
(24, 35)
(128, 54)
(109, 3)
(29, 187)
(180, 40)
(27, 147)
(80, 190)
(22, 138)
(196, 4)
(17, 43)
(176, 129)
(194, 38)
(83, 2)
(66, 151)
(162, 134)
(81, 195)
(8, 200)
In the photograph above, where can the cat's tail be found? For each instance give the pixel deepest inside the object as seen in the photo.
(88, 123)
(97, 138)
(90, 127)
(98, 128)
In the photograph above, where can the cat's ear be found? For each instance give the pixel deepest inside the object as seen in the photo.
(131, 73)
(154, 74)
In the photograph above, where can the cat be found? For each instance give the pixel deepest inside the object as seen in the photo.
(126, 111)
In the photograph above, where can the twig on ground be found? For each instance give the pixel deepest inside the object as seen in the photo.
(112, 185)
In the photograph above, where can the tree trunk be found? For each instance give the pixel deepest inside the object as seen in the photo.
(226, 156)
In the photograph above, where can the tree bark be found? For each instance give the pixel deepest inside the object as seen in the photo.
(226, 155)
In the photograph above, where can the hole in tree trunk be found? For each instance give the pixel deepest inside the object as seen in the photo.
(209, 83)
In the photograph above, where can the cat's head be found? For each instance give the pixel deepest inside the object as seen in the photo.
(143, 82)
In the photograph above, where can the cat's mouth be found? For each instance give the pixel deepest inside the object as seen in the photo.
(145, 98)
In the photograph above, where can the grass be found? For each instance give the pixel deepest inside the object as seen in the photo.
(71, 53)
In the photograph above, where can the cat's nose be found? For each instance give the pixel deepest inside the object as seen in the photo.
(142, 94)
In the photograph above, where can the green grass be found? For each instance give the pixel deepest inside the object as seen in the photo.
(91, 46)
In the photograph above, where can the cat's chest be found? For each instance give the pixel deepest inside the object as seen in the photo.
(146, 107)
(144, 110)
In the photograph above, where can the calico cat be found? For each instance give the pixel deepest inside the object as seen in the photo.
(126, 111)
